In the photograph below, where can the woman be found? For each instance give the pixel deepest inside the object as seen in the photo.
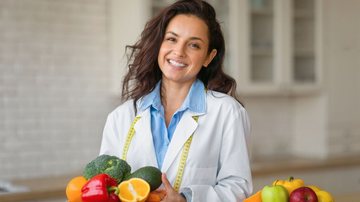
(180, 110)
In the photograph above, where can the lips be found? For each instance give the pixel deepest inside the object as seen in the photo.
(176, 63)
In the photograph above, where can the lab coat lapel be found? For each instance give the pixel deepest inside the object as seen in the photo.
(144, 136)
(183, 131)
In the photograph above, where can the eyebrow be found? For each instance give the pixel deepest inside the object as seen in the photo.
(191, 38)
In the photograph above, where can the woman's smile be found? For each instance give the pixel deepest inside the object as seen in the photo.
(176, 63)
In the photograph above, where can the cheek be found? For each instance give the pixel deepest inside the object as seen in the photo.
(162, 52)
(160, 57)
(199, 59)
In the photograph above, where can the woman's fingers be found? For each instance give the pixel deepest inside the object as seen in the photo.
(166, 183)
(171, 193)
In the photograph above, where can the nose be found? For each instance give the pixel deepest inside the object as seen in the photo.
(179, 50)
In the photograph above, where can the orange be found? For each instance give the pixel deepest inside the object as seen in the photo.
(254, 198)
(73, 189)
(156, 196)
(134, 190)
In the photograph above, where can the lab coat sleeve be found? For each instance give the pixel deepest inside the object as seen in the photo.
(116, 127)
(110, 139)
(234, 182)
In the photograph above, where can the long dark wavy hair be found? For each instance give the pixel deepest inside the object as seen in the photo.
(144, 71)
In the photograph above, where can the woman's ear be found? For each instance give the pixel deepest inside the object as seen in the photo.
(210, 57)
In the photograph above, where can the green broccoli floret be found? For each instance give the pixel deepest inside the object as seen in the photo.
(90, 170)
(111, 165)
(104, 161)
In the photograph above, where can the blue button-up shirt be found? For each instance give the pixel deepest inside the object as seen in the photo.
(162, 135)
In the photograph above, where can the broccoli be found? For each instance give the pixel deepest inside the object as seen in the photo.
(90, 170)
(111, 165)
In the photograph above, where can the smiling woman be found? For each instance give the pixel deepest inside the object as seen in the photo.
(180, 109)
(183, 53)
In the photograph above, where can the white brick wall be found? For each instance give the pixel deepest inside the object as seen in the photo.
(54, 85)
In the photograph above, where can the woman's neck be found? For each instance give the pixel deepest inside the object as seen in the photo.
(172, 97)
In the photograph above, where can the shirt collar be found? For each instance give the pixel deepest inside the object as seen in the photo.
(151, 99)
(194, 101)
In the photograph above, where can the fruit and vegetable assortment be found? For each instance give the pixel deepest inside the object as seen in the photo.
(109, 179)
(290, 190)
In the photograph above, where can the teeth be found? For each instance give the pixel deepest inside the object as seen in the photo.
(178, 64)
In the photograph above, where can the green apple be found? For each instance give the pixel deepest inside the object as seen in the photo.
(275, 193)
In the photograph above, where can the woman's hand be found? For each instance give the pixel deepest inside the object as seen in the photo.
(171, 194)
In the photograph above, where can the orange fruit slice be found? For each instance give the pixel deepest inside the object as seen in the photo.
(73, 188)
(134, 190)
(254, 198)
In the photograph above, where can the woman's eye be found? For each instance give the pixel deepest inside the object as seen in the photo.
(170, 39)
(194, 45)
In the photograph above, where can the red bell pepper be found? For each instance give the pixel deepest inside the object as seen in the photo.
(100, 188)
(113, 197)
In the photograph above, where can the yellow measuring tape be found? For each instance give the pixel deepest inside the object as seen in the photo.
(182, 163)
(129, 138)
(183, 158)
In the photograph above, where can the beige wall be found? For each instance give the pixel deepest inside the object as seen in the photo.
(342, 70)
(326, 122)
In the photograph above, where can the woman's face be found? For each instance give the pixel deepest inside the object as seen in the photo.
(184, 50)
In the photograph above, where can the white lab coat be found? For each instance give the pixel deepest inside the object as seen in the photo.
(217, 167)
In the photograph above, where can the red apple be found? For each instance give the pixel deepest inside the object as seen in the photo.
(303, 194)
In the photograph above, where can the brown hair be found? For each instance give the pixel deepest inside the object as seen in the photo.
(144, 71)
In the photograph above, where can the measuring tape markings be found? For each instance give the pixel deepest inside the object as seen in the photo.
(183, 158)
(129, 137)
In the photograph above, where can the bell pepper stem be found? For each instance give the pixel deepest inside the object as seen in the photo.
(114, 189)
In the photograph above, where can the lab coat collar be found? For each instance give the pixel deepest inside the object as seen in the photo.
(183, 131)
(185, 128)
(143, 128)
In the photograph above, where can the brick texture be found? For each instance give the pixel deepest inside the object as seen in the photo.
(54, 85)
